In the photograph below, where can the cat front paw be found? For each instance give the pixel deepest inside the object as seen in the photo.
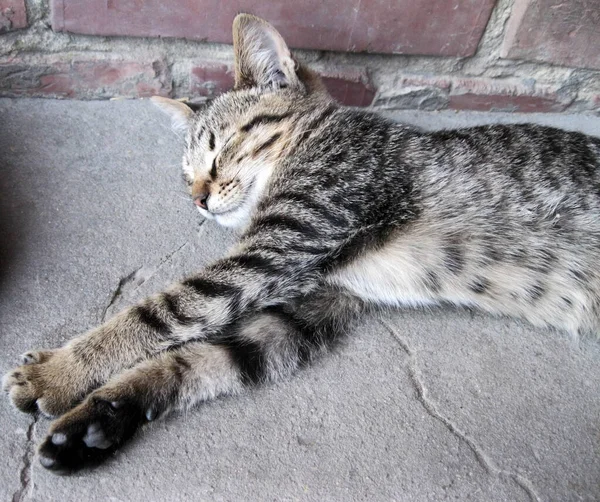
(47, 381)
(91, 432)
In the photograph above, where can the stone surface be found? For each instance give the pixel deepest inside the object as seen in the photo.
(415, 92)
(437, 27)
(13, 15)
(82, 77)
(418, 405)
(476, 93)
(555, 31)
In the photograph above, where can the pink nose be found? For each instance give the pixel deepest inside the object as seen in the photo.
(201, 199)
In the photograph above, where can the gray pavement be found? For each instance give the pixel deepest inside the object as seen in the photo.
(420, 405)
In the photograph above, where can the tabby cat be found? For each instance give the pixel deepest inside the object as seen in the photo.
(343, 211)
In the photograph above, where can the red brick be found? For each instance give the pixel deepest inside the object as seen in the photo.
(13, 15)
(88, 78)
(482, 94)
(504, 103)
(348, 92)
(210, 79)
(349, 86)
(435, 27)
(555, 31)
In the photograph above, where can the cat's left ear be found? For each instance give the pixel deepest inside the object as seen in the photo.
(181, 114)
(262, 58)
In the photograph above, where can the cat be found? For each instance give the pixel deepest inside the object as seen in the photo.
(343, 212)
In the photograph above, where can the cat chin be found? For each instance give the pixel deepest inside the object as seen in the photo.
(233, 219)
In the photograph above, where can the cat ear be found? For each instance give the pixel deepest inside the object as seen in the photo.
(181, 114)
(262, 58)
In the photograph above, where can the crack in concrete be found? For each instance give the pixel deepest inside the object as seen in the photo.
(118, 292)
(164, 260)
(25, 474)
(482, 458)
(128, 279)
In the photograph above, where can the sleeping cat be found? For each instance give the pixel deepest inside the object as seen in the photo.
(343, 211)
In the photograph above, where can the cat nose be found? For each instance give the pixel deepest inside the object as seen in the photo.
(201, 199)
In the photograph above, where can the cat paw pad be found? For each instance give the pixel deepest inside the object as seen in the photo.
(89, 433)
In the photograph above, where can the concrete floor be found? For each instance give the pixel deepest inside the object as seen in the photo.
(421, 405)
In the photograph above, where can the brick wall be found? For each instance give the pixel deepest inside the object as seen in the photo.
(507, 55)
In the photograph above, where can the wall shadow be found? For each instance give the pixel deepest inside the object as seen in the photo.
(16, 210)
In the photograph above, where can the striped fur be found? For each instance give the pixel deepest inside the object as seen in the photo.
(341, 211)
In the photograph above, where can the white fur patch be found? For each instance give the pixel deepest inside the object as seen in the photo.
(391, 276)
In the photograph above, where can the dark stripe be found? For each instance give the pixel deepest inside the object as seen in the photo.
(235, 303)
(210, 288)
(307, 249)
(432, 282)
(174, 308)
(264, 119)
(454, 258)
(213, 169)
(211, 141)
(179, 367)
(535, 292)
(266, 144)
(364, 239)
(248, 356)
(479, 285)
(317, 122)
(151, 319)
(253, 261)
(302, 248)
(577, 274)
(305, 200)
(286, 222)
(308, 339)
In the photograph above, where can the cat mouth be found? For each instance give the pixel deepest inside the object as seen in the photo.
(238, 204)
(212, 214)
(227, 211)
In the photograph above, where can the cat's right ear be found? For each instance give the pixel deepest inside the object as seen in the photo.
(262, 58)
(180, 113)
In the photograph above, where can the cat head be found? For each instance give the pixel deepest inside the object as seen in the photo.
(235, 143)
